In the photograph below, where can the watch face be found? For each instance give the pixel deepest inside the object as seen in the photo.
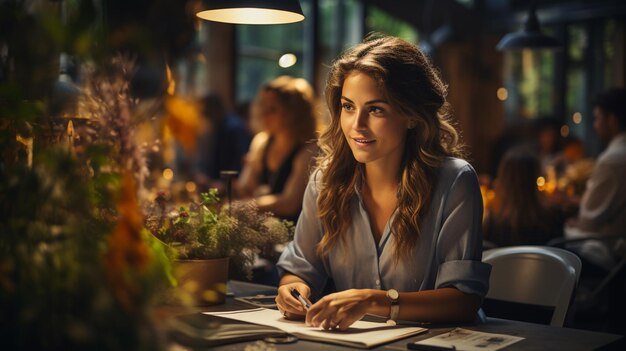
(393, 294)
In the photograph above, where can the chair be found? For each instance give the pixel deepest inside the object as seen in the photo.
(531, 282)
(600, 296)
(618, 246)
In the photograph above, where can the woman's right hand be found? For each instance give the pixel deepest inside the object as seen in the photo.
(288, 305)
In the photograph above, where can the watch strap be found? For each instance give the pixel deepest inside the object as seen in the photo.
(394, 309)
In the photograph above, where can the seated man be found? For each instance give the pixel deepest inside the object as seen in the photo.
(603, 207)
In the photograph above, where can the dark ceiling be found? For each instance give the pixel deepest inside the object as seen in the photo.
(496, 15)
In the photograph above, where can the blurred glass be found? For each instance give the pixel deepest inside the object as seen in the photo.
(593, 66)
(529, 77)
(380, 21)
(260, 47)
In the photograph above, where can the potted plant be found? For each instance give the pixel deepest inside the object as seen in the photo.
(208, 237)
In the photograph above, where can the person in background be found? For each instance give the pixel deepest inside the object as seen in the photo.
(573, 169)
(518, 213)
(573, 150)
(548, 139)
(390, 215)
(281, 156)
(602, 211)
(221, 145)
(243, 111)
(515, 133)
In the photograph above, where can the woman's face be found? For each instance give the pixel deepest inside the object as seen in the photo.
(375, 132)
(271, 112)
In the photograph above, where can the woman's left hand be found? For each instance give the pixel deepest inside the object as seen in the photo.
(339, 310)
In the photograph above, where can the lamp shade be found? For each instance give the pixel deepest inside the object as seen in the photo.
(530, 37)
(252, 11)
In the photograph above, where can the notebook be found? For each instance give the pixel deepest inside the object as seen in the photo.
(200, 330)
(361, 334)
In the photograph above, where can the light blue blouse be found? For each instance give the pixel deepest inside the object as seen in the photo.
(448, 253)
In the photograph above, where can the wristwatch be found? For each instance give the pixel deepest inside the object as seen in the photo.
(394, 298)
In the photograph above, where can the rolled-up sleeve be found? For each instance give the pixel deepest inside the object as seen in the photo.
(300, 258)
(459, 244)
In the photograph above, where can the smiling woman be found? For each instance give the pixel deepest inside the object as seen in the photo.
(391, 216)
(374, 131)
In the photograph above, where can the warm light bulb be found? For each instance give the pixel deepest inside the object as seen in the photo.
(577, 117)
(190, 187)
(287, 60)
(564, 131)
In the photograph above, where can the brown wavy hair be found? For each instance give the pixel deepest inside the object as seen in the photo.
(297, 98)
(413, 86)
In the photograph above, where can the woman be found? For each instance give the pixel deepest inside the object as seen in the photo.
(280, 157)
(390, 209)
(518, 214)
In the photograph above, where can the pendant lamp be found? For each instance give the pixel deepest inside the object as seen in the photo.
(530, 37)
(252, 11)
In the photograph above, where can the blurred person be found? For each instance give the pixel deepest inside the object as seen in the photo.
(391, 215)
(519, 214)
(573, 150)
(221, 145)
(602, 211)
(282, 154)
(573, 168)
(516, 133)
(243, 111)
(548, 141)
(577, 168)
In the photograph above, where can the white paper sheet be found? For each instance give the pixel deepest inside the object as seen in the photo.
(470, 340)
(360, 334)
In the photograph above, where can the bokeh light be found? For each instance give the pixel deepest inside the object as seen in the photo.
(287, 60)
(502, 94)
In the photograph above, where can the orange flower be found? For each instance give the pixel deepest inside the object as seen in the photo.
(183, 120)
(128, 255)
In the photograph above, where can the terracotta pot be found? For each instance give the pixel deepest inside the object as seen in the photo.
(201, 282)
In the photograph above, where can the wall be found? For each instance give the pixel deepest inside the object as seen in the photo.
(473, 73)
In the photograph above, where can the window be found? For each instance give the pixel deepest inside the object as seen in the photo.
(260, 47)
(576, 92)
(594, 65)
(340, 25)
(529, 79)
(379, 21)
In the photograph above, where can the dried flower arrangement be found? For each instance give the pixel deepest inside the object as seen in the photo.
(76, 273)
(108, 105)
(206, 230)
(78, 270)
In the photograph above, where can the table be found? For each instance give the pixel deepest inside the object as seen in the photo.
(537, 336)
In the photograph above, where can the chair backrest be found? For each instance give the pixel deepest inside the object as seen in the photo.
(534, 275)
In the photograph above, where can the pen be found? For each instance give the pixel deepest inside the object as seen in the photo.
(305, 303)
